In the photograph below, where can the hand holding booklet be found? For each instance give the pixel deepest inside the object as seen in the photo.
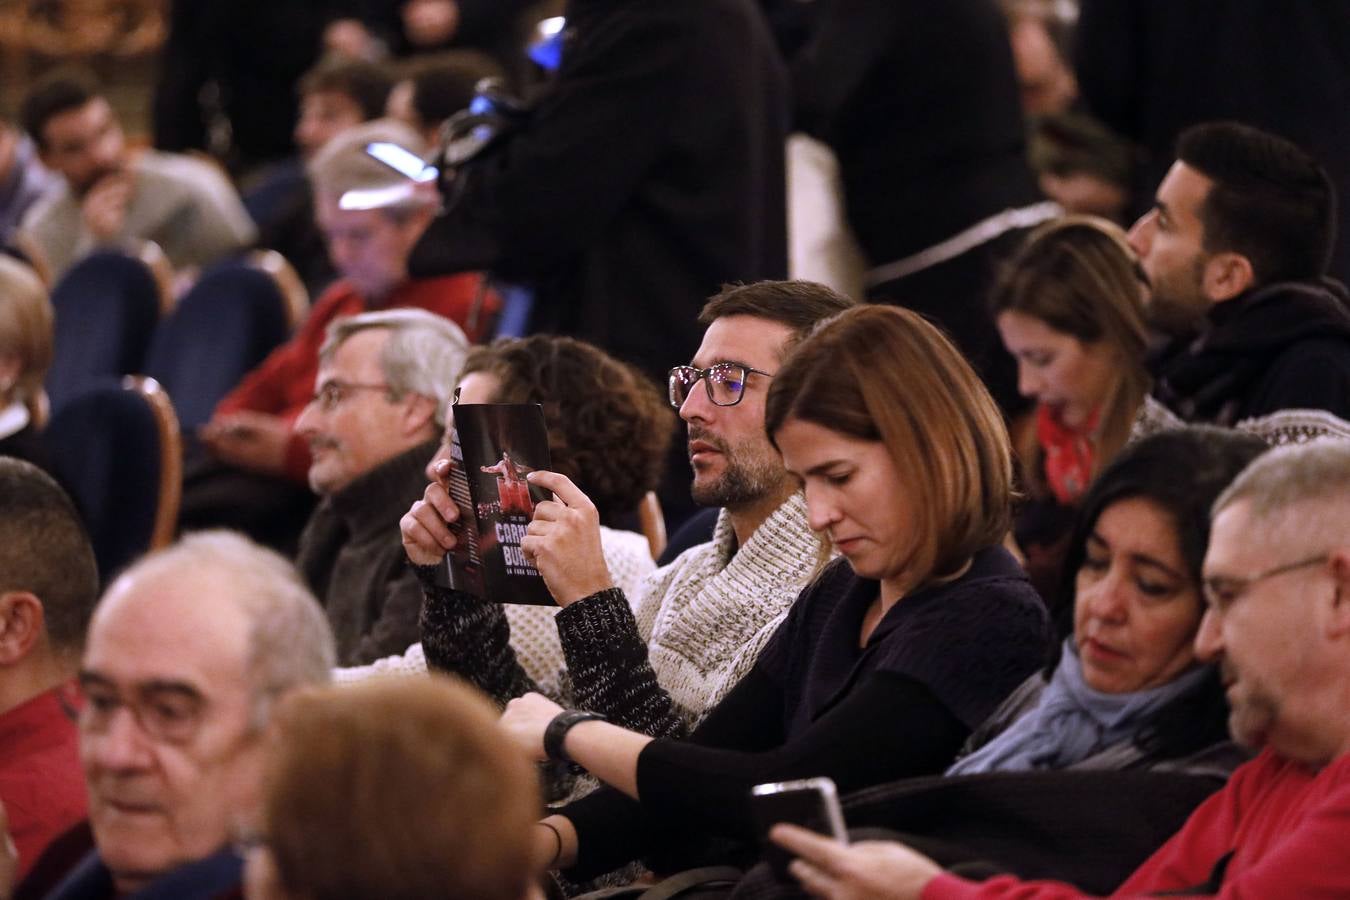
(495, 445)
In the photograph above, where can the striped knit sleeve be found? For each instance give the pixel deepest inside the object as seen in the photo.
(610, 670)
(471, 638)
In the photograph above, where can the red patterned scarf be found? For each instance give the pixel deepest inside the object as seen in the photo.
(1069, 455)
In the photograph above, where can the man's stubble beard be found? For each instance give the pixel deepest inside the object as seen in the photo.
(1252, 715)
(1179, 309)
(742, 482)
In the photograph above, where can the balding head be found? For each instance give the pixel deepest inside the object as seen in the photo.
(186, 652)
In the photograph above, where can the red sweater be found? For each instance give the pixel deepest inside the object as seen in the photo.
(1289, 826)
(41, 783)
(284, 382)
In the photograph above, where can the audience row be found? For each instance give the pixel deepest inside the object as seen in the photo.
(1096, 643)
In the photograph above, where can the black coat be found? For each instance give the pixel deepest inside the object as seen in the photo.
(650, 173)
(1284, 346)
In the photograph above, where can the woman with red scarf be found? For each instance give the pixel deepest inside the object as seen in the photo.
(1070, 309)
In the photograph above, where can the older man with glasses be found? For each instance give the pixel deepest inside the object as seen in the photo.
(378, 409)
(1277, 622)
(657, 661)
(186, 655)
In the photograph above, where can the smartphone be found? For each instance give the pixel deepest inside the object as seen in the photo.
(812, 803)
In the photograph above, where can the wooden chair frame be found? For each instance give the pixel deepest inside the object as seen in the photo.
(170, 457)
(279, 269)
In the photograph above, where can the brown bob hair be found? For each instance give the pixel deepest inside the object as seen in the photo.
(397, 789)
(881, 373)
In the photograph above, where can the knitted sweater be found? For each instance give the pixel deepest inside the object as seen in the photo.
(534, 637)
(700, 624)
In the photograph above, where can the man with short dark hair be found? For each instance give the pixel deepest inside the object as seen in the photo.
(335, 95)
(112, 194)
(187, 653)
(658, 665)
(1236, 250)
(432, 90)
(48, 586)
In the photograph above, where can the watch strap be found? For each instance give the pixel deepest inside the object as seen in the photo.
(557, 729)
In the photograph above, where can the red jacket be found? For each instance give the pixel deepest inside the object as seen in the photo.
(1288, 828)
(284, 382)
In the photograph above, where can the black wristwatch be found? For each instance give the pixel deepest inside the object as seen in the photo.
(562, 723)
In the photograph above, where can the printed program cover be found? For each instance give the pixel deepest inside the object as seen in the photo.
(495, 446)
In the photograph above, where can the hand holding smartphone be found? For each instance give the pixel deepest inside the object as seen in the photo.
(812, 803)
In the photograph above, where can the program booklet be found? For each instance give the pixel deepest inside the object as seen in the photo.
(494, 446)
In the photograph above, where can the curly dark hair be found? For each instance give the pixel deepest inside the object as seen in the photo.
(609, 426)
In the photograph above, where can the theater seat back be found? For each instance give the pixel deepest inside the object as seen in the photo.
(116, 447)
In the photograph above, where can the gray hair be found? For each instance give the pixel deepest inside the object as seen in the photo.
(424, 354)
(1314, 477)
(343, 165)
(290, 643)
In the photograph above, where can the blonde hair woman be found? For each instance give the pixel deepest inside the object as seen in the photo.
(25, 356)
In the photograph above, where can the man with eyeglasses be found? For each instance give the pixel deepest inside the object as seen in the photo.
(656, 662)
(186, 655)
(376, 417)
(1277, 624)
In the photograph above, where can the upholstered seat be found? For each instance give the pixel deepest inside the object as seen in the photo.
(219, 331)
(106, 308)
(115, 446)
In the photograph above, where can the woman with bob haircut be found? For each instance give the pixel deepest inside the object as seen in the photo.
(1070, 309)
(887, 661)
(347, 775)
(25, 355)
